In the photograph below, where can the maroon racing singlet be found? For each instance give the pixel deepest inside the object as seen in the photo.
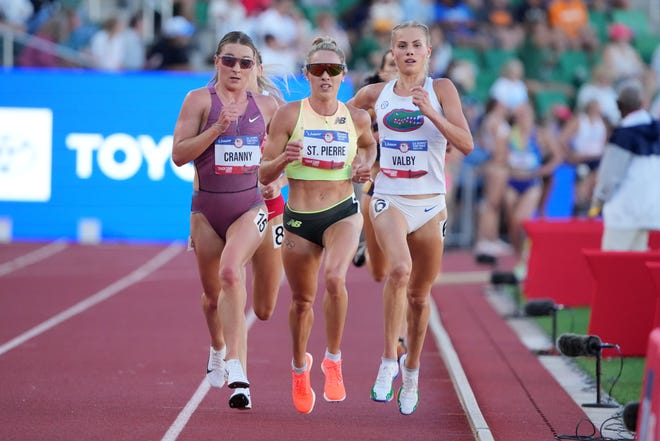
(227, 170)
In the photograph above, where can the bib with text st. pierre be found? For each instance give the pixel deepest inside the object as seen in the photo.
(404, 159)
(325, 148)
(235, 155)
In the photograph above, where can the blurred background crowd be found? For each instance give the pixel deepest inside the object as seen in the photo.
(536, 75)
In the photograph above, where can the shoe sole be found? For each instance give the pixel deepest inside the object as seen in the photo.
(238, 384)
(336, 400)
(240, 401)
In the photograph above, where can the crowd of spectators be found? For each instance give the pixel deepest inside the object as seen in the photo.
(562, 60)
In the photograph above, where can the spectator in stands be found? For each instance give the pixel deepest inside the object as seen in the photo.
(537, 49)
(458, 21)
(620, 57)
(532, 154)
(441, 52)
(34, 54)
(497, 21)
(583, 140)
(224, 16)
(281, 22)
(81, 31)
(134, 45)
(107, 46)
(384, 14)
(600, 88)
(493, 140)
(281, 63)
(509, 88)
(529, 11)
(16, 13)
(569, 19)
(326, 24)
(627, 190)
(172, 49)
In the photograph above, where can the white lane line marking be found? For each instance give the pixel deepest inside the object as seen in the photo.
(465, 393)
(161, 259)
(32, 257)
(182, 419)
(457, 278)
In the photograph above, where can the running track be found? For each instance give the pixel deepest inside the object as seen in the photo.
(107, 342)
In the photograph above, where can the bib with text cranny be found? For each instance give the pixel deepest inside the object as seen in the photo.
(326, 149)
(235, 155)
(404, 159)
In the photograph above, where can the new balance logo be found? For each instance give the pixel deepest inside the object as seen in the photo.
(294, 223)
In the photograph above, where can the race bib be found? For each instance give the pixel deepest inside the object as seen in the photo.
(235, 155)
(404, 159)
(524, 160)
(326, 149)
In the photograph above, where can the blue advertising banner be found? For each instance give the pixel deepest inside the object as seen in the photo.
(82, 146)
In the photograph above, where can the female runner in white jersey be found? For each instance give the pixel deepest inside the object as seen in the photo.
(417, 117)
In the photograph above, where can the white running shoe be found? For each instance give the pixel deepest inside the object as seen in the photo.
(383, 389)
(215, 369)
(241, 399)
(235, 376)
(408, 395)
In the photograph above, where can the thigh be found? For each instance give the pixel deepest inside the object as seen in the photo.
(207, 246)
(341, 240)
(267, 259)
(301, 260)
(244, 236)
(390, 227)
(426, 248)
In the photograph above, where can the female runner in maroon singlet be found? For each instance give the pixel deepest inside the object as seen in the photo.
(220, 128)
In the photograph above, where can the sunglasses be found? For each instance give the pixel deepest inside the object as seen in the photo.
(230, 61)
(317, 69)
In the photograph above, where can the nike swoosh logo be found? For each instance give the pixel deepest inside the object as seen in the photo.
(426, 210)
(251, 120)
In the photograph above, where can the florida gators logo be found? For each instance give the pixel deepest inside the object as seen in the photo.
(402, 120)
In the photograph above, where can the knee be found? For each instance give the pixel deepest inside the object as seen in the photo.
(400, 274)
(379, 275)
(300, 306)
(417, 303)
(263, 312)
(209, 302)
(230, 276)
(335, 282)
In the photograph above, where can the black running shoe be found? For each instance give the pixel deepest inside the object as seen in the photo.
(360, 256)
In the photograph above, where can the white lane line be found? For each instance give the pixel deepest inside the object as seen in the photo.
(32, 257)
(161, 259)
(465, 393)
(458, 277)
(182, 419)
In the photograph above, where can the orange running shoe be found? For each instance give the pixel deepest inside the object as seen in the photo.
(334, 382)
(302, 392)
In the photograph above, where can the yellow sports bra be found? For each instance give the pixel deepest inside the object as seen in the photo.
(329, 145)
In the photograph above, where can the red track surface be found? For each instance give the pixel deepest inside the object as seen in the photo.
(126, 364)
